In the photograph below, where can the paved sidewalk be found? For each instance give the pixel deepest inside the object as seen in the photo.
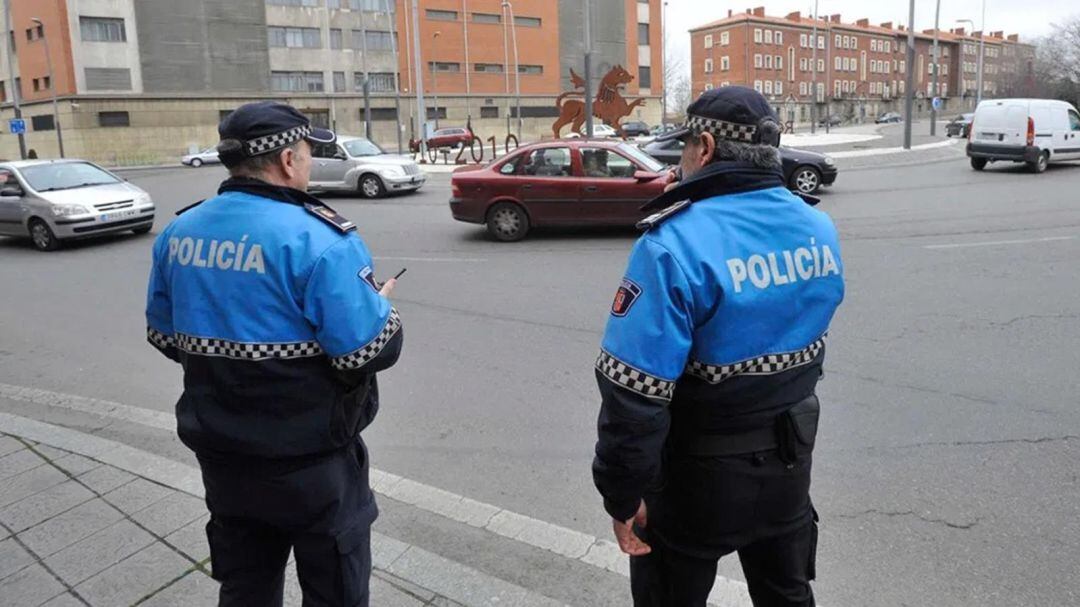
(75, 531)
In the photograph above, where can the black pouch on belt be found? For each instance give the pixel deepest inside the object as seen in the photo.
(796, 429)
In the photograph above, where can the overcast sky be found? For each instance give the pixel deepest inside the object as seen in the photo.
(1029, 18)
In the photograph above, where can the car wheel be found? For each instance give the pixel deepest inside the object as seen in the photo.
(196, 163)
(143, 229)
(371, 186)
(806, 179)
(978, 163)
(507, 222)
(1041, 163)
(42, 236)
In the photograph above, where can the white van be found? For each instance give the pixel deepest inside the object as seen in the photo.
(1035, 131)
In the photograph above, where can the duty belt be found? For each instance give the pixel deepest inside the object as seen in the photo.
(792, 432)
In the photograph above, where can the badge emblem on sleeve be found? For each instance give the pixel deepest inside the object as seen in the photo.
(625, 297)
(368, 276)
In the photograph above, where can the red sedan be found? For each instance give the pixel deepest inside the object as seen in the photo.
(450, 138)
(557, 183)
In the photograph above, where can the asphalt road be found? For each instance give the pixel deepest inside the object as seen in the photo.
(947, 460)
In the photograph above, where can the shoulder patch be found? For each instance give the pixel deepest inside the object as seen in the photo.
(189, 207)
(656, 219)
(331, 217)
(368, 275)
(628, 293)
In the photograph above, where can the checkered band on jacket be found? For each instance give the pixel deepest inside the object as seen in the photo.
(269, 143)
(633, 379)
(159, 339)
(208, 346)
(358, 358)
(762, 365)
(721, 129)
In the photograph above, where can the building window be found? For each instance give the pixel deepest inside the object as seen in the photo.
(836, 88)
(757, 36)
(838, 63)
(107, 79)
(101, 29)
(768, 62)
(725, 63)
(488, 68)
(378, 41)
(297, 82)
(295, 37)
(779, 62)
(768, 36)
(293, 2)
(820, 65)
(489, 112)
(778, 88)
(486, 18)
(802, 64)
(643, 33)
(444, 66)
(779, 37)
(708, 40)
(725, 38)
(371, 6)
(821, 46)
(768, 87)
(437, 15)
(378, 82)
(725, 83)
(113, 119)
(644, 77)
(757, 85)
(838, 41)
(708, 86)
(802, 40)
(336, 39)
(43, 123)
(757, 61)
(527, 22)
(708, 66)
(802, 88)
(339, 82)
(531, 70)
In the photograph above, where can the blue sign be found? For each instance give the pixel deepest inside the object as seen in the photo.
(937, 103)
(17, 126)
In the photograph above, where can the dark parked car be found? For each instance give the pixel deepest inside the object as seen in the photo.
(565, 182)
(888, 117)
(804, 171)
(959, 126)
(635, 129)
(831, 120)
(450, 138)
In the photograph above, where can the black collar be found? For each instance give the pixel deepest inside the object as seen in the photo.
(717, 179)
(258, 187)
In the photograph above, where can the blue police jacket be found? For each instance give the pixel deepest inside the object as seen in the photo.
(268, 299)
(718, 325)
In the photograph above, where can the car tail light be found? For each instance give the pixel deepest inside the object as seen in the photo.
(1031, 131)
(455, 190)
(971, 129)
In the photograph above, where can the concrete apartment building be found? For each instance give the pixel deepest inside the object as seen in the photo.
(144, 81)
(859, 69)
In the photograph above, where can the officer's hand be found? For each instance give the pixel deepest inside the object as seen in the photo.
(629, 542)
(672, 180)
(388, 287)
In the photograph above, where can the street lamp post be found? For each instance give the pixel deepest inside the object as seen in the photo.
(468, 83)
(663, 63)
(366, 82)
(588, 70)
(813, 73)
(421, 111)
(52, 86)
(979, 64)
(909, 88)
(15, 92)
(435, 77)
(517, 68)
(936, 60)
(392, 18)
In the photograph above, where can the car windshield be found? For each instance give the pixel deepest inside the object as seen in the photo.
(65, 176)
(359, 148)
(642, 158)
(210, 150)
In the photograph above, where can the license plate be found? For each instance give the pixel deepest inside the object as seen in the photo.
(985, 135)
(106, 217)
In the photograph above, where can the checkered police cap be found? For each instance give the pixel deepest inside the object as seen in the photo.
(269, 143)
(733, 113)
(260, 128)
(721, 129)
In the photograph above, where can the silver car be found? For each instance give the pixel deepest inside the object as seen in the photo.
(55, 200)
(207, 156)
(355, 164)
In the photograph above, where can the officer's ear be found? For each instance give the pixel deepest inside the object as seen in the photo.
(706, 149)
(289, 160)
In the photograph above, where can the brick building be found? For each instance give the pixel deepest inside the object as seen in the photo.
(143, 81)
(859, 69)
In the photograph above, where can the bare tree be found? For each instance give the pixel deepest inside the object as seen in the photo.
(677, 83)
(1055, 70)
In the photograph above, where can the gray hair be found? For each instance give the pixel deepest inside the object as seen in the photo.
(758, 154)
(254, 166)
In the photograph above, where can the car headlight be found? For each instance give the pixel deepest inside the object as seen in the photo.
(68, 210)
(829, 161)
(394, 170)
(143, 199)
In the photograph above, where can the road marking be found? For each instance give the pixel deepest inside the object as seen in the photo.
(433, 259)
(565, 542)
(994, 243)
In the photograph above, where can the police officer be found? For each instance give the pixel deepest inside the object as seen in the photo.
(709, 365)
(268, 299)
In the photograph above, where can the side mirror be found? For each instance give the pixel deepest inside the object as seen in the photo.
(339, 155)
(11, 192)
(643, 176)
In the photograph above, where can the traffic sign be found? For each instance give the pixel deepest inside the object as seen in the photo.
(17, 126)
(937, 103)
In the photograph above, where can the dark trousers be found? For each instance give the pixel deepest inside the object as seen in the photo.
(778, 571)
(320, 509)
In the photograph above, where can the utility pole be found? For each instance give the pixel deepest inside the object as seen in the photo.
(435, 77)
(421, 110)
(663, 63)
(517, 67)
(52, 86)
(909, 92)
(468, 84)
(364, 67)
(588, 70)
(937, 69)
(392, 18)
(506, 66)
(829, 72)
(15, 92)
(813, 74)
(982, 40)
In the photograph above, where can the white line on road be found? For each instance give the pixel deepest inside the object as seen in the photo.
(511, 525)
(432, 259)
(994, 243)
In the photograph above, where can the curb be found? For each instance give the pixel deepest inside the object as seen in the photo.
(894, 150)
